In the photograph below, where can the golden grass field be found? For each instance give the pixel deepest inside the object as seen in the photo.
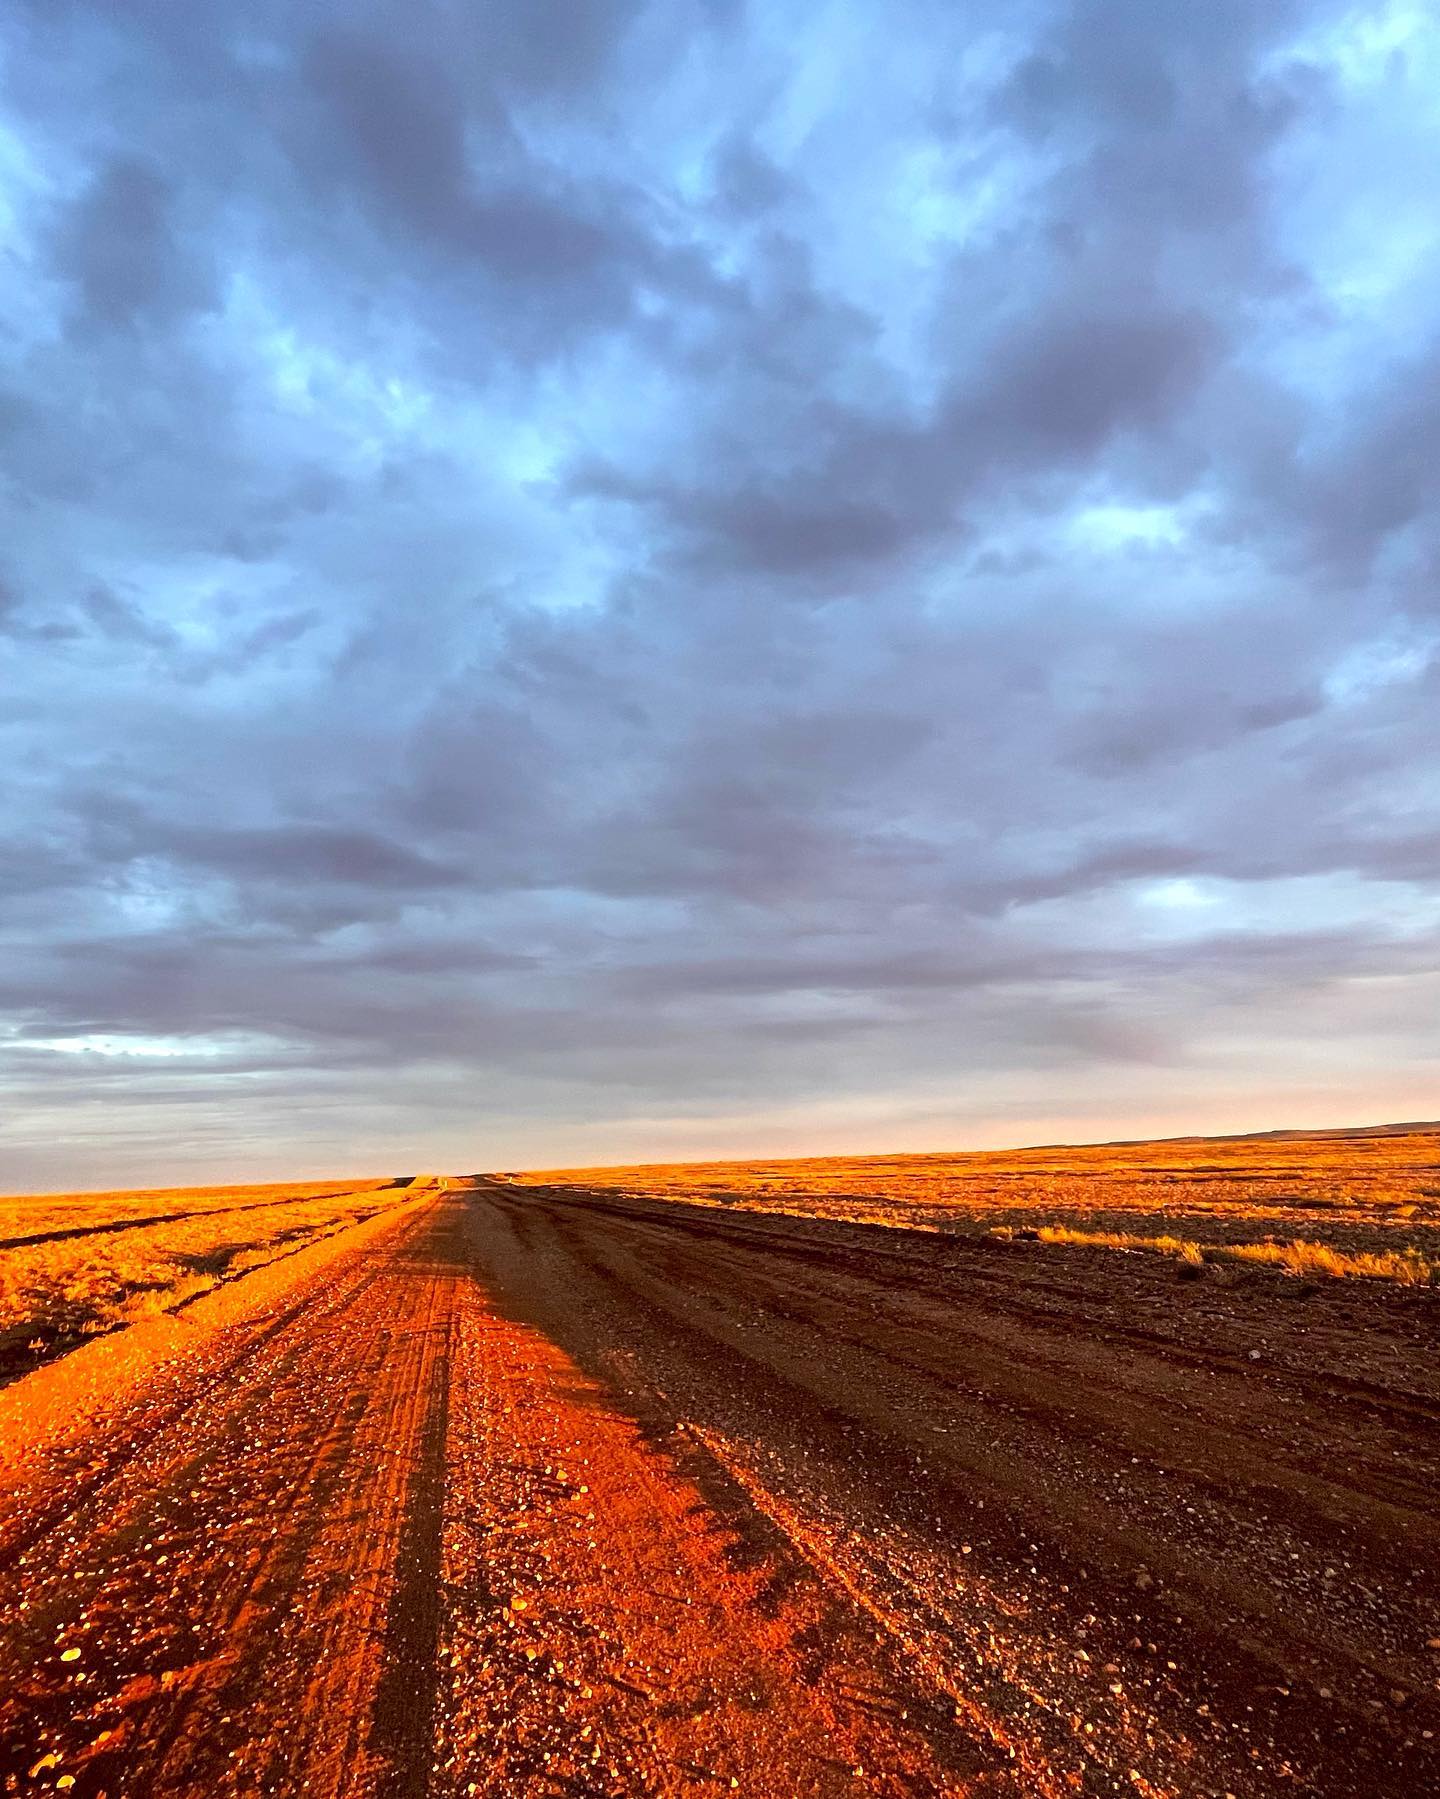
(73, 1265)
(1311, 1203)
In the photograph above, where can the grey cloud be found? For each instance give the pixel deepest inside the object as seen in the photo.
(1279, 709)
(924, 972)
(1160, 728)
(302, 853)
(1055, 393)
(552, 46)
(121, 249)
(440, 163)
(746, 182)
(119, 832)
(1385, 477)
(121, 619)
(403, 121)
(782, 534)
(1062, 390)
(559, 575)
(1399, 856)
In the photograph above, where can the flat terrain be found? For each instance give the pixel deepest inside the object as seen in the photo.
(568, 1487)
(1357, 1192)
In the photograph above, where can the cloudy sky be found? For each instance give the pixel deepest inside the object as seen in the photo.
(587, 580)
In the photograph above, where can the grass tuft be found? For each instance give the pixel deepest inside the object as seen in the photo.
(1411, 1267)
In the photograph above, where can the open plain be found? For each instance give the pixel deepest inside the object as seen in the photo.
(1064, 1471)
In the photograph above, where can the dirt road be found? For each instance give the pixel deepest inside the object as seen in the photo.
(538, 1493)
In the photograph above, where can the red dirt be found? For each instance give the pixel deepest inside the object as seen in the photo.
(788, 1507)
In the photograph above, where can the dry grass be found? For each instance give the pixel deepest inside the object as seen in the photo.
(75, 1265)
(1317, 1203)
(1299, 1256)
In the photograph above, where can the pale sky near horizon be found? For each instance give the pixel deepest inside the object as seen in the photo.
(622, 581)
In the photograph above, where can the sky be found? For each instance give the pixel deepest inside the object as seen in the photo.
(619, 581)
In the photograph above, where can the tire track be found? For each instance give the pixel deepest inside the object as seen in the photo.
(239, 1566)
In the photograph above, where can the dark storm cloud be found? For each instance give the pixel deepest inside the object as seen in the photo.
(670, 563)
(297, 853)
(395, 130)
(119, 247)
(1051, 395)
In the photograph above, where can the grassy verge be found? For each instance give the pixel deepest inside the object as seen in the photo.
(78, 1266)
(1299, 1256)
